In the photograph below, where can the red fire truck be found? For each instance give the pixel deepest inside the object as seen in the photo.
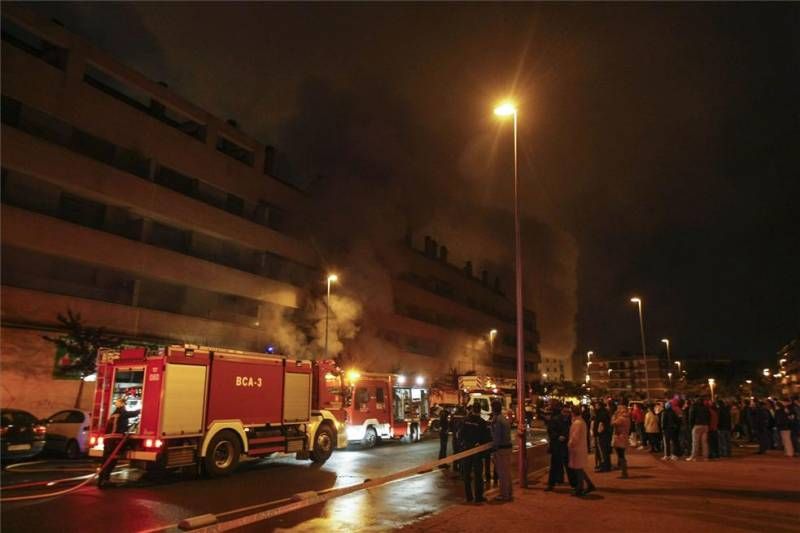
(210, 406)
(386, 406)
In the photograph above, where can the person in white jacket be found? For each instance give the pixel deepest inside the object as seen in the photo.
(579, 453)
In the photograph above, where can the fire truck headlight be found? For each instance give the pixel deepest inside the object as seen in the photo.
(148, 443)
(158, 443)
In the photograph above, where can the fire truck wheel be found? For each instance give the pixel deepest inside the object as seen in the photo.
(370, 438)
(323, 444)
(222, 455)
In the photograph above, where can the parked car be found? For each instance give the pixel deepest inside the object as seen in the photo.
(68, 433)
(21, 434)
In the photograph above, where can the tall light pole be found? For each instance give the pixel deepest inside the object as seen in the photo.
(638, 301)
(332, 278)
(589, 355)
(669, 362)
(504, 110)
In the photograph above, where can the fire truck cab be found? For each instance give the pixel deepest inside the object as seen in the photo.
(386, 406)
(210, 407)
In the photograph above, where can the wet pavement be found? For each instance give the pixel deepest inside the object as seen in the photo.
(145, 505)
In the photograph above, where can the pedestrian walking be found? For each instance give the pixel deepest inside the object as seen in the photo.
(474, 432)
(578, 453)
(621, 422)
(501, 438)
(699, 419)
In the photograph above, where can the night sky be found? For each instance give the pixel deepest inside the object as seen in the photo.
(660, 144)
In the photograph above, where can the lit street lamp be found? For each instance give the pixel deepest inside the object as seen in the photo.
(711, 384)
(332, 278)
(504, 110)
(638, 301)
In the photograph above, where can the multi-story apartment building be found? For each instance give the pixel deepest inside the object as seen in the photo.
(448, 319)
(624, 375)
(126, 203)
(158, 221)
(789, 368)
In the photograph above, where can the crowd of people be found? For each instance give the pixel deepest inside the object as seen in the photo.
(694, 430)
(689, 429)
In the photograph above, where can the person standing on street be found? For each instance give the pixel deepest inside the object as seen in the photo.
(602, 431)
(784, 426)
(456, 421)
(474, 432)
(557, 435)
(794, 412)
(444, 433)
(670, 424)
(713, 425)
(621, 422)
(578, 453)
(501, 437)
(651, 428)
(637, 421)
(724, 426)
(761, 427)
(699, 419)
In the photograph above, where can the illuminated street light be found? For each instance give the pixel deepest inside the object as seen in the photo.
(711, 383)
(332, 278)
(782, 362)
(766, 372)
(506, 109)
(420, 381)
(401, 380)
(638, 302)
(353, 375)
(749, 381)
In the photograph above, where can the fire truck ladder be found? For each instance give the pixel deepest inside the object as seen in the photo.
(101, 386)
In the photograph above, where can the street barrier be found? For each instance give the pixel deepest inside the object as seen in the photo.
(208, 523)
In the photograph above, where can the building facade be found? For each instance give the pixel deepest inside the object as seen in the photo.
(129, 205)
(789, 368)
(624, 375)
(160, 222)
(446, 319)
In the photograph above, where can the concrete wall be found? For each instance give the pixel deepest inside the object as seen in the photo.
(26, 375)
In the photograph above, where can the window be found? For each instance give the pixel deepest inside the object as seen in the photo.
(75, 417)
(60, 418)
(362, 398)
(231, 149)
(26, 41)
(81, 211)
(379, 395)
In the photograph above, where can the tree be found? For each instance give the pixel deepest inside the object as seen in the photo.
(79, 348)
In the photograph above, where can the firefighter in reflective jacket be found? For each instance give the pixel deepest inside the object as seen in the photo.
(474, 432)
(116, 427)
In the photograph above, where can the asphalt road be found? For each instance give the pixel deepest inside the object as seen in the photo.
(137, 505)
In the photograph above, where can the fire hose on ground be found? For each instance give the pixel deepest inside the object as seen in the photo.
(88, 479)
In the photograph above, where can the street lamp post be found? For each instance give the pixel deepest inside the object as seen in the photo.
(332, 278)
(508, 109)
(638, 301)
(589, 355)
(669, 362)
(711, 384)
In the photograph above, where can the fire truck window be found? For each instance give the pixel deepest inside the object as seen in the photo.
(379, 395)
(128, 385)
(362, 398)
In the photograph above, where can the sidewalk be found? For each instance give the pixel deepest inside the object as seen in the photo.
(744, 493)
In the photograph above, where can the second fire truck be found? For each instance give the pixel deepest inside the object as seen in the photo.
(386, 406)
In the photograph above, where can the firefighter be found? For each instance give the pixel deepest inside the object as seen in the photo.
(116, 428)
(474, 432)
